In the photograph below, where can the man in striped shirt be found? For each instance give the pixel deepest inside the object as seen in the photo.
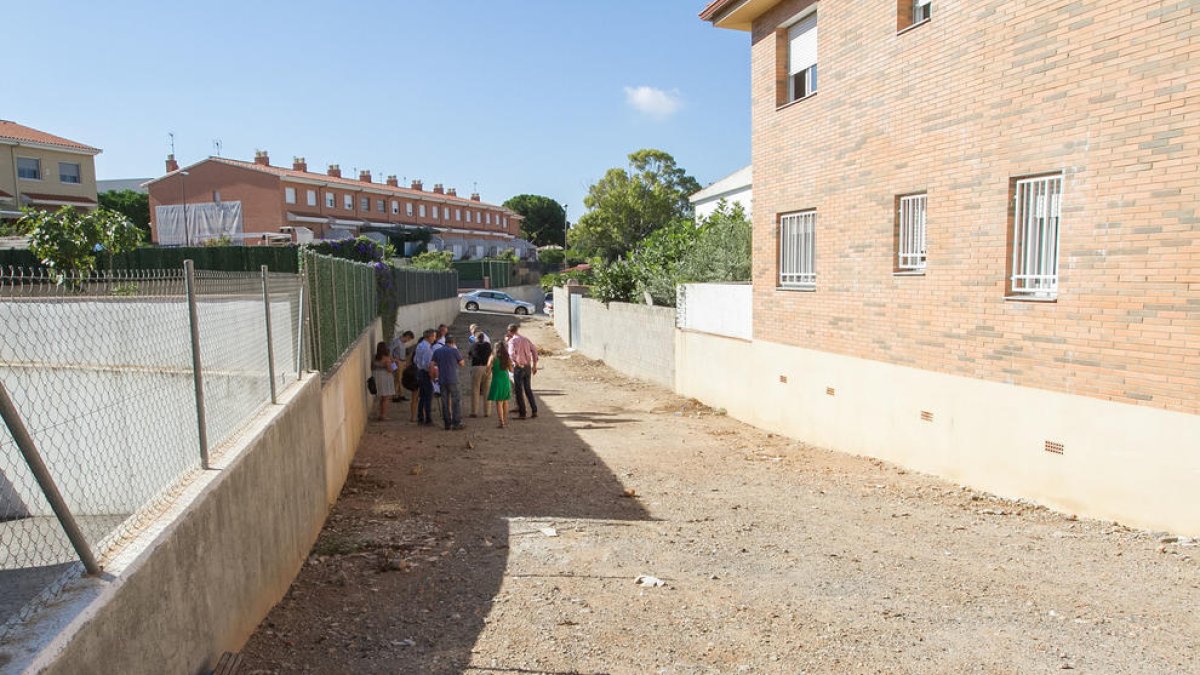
(524, 357)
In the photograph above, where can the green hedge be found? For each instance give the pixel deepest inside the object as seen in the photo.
(220, 258)
(501, 272)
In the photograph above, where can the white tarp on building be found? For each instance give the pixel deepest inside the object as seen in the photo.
(203, 221)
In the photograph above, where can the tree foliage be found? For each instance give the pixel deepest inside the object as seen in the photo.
(627, 205)
(714, 250)
(132, 204)
(433, 260)
(545, 219)
(70, 241)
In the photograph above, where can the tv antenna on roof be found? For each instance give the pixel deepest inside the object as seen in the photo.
(171, 138)
(217, 146)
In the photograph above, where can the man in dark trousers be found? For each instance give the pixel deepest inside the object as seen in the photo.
(448, 359)
(524, 357)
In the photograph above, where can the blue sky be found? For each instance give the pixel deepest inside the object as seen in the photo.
(538, 96)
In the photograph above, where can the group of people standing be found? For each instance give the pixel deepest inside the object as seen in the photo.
(428, 368)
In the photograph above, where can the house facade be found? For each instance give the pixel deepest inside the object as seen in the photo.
(41, 170)
(732, 189)
(252, 201)
(976, 247)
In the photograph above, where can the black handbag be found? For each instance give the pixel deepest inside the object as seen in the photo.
(371, 385)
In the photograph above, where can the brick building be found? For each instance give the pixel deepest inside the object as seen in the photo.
(976, 246)
(250, 199)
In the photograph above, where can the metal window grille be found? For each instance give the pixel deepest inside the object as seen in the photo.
(910, 253)
(922, 10)
(797, 250)
(1035, 236)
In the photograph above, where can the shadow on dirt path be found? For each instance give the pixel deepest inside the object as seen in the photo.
(405, 571)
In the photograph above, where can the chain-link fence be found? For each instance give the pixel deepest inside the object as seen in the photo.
(344, 296)
(121, 386)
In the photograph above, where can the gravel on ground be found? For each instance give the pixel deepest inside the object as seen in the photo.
(628, 530)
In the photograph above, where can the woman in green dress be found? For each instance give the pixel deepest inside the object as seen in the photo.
(501, 389)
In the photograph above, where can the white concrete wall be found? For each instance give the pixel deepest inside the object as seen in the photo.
(637, 340)
(531, 293)
(562, 298)
(720, 309)
(1137, 465)
(425, 315)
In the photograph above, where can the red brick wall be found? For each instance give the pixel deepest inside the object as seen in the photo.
(260, 194)
(1106, 92)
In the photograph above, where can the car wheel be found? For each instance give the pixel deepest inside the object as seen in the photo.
(522, 311)
(472, 306)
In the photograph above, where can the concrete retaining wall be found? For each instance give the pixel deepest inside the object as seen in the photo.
(638, 340)
(425, 315)
(197, 582)
(531, 293)
(345, 405)
(1133, 464)
(561, 313)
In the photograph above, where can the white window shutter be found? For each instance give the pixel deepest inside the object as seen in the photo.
(802, 45)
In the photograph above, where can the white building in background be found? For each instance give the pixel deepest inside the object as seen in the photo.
(734, 189)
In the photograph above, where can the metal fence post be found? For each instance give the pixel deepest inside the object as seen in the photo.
(45, 481)
(266, 290)
(333, 304)
(300, 324)
(189, 277)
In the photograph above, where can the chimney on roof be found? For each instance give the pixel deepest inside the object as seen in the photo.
(260, 157)
(416, 185)
(452, 192)
(438, 189)
(392, 181)
(298, 164)
(474, 196)
(365, 175)
(172, 165)
(335, 171)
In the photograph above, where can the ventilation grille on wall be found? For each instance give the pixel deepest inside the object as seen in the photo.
(1056, 448)
(926, 416)
(830, 391)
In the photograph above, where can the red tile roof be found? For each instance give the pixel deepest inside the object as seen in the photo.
(12, 131)
(714, 8)
(58, 198)
(353, 183)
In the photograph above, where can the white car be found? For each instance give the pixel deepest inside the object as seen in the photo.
(494, 301)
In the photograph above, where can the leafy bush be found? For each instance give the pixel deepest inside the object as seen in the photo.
(552, 256)
(71, 241)
(717, 249)
(433, 260)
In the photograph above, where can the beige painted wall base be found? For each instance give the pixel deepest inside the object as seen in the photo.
(1133, 464)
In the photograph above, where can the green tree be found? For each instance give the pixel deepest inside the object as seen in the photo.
(433, 260)
(545, 219)
(627, 205)
(133, 205)
(70, 241)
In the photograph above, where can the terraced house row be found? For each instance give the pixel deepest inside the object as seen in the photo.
(257, 201)
(976, 246)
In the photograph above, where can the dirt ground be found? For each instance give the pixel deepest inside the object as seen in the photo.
(517, 551)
